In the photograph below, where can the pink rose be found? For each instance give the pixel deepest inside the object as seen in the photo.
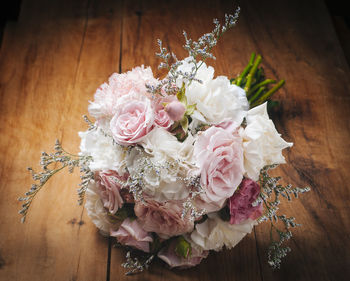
(163, 218)
(133, 120)
(219, 155)
(241, 203)
(175, 110)
(108, 186)
(131, 233)
(169, 255)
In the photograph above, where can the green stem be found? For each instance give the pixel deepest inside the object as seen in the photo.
(257, 86)
(246, 70)
(252, 73)
(269, 93)
(256, 95)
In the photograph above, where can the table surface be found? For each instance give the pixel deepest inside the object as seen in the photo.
(56, 55)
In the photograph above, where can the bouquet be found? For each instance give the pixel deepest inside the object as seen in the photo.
(177, 167)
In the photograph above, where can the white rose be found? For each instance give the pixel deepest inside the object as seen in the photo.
(262, 143)
(96, 211)
(106, 155)
(216, 99)
(215, 233)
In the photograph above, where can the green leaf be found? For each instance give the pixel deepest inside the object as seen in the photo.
(184, 123)
(190, 109)
(183, 248)
(181, 96)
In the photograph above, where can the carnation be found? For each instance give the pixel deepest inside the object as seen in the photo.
(108, 94)
(105, 155)
(243, 203)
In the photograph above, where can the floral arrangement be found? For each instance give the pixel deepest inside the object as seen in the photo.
(176, 167)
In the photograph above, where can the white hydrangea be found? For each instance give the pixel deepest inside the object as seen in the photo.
(216, 99)
(214, 233)
(262, 143)
(105, 154)
(96, 211)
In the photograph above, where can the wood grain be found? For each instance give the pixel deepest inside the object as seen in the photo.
(52, 61)
(59, 52)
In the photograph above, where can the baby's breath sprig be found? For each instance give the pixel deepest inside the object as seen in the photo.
(137, 265)
(63, 159)
(197, 50)
(270, 196)
(195, 190)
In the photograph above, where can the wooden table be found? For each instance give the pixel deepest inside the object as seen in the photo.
(59, 52)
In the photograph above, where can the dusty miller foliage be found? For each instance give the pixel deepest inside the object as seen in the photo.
(52, 163)
(197, 50)
(270, 194)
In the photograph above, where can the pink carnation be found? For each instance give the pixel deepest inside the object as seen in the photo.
(241, 203)
(131, 233)
(169, 255)
(108, 94)
(219, 156)
(108, 186)
(163, 218)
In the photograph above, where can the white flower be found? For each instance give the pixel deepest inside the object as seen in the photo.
(215, 233)
(164, 163)
(160, 175)
(96, 211)
(162, 144)
(262, 143)
(216, 99)
(105, 154)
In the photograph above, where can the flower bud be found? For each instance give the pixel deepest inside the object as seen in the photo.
(175, 110)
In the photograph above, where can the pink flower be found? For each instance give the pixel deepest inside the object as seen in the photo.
(133, 120)
(108, 187)
(162, 118)
(108, 94)
(228, 126)
(241, 203)
(163, 218)
(131, 233)
(175, 110)
(169, 255)
(219, 155)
